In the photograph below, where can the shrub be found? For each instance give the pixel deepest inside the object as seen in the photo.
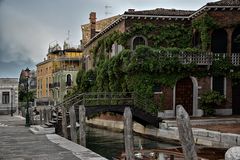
(209, 101)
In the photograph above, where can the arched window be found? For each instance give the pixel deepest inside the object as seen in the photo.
(69, 80)
(236, 40)
(219, 41)
(138, 40)
(196, 40)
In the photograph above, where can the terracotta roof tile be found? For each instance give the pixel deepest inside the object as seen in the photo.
(225, 3)
(161, 12)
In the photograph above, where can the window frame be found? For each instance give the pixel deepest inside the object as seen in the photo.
(5, 97)
(138, 36)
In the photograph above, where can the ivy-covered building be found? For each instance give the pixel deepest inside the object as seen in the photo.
(187, 56)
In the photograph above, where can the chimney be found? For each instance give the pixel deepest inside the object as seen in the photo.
(131, 10)
(92, 19)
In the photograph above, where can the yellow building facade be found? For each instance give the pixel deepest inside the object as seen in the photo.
(57, 60)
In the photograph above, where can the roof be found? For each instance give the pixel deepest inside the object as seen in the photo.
(225, 3)
(161, 12)
(168, 14)
(102, 20)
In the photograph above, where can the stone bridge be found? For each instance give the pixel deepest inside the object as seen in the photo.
(144, 111)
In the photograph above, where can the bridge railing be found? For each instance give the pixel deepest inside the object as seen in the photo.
(146, 104)
(108, 98)
(112, 98)
(71, 100)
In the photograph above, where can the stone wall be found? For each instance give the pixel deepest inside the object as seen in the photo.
(9, 85)
(226, 18)
(100, 25)
(88, 50)
(201, 136)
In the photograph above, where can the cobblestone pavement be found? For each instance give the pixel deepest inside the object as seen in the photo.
(17, 143)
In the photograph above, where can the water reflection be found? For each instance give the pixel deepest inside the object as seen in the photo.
(111, 144)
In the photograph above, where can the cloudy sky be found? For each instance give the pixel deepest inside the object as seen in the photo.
(28, 26)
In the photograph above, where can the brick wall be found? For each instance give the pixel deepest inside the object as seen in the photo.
(100, 25)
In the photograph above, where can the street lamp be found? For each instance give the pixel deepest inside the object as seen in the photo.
(27, 71)
(11, 101)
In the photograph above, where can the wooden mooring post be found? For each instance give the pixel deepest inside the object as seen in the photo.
(41, 116)
(64, 122)
(128, 134)
(45, 115)
(185, 134)
(73, 131)
(82, 125)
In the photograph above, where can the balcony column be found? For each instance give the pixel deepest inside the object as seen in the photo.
(210, 44)
(229, 41)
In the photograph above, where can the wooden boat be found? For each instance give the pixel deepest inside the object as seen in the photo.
(175, 153)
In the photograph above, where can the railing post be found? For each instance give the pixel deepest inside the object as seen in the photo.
(45, 114)
(84, 101)
(41, 116)
(31, 115)
(133, 99)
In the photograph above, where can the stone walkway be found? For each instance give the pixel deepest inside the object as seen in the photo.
(17, 143)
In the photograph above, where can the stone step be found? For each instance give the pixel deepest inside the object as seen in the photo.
(37, 129)
(53, 122)
(49, 124)
(210, 121)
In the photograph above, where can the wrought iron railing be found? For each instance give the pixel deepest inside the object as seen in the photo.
(111, 98)
(202, 58)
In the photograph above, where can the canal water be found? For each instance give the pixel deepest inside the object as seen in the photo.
(111, 144)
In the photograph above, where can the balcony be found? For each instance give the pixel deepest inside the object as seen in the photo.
(76, 68)
(54, 85)
(203, 58)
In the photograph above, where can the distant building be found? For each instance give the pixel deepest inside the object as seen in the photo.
(8, 95)
(32, 80)
(56, 75)
(32, 85)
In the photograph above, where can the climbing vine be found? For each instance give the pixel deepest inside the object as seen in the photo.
(204, 24)
(139, 70)
(133, 71)
(172, 35)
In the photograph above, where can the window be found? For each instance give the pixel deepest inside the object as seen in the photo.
(69, 80)
(5, 98)
(218, 84)
(138, 40)
(47, 86)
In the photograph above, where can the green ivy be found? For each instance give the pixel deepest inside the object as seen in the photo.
(86, 80)
(221, 66)
(209, 101)
(138, 71)
(173, 35)
(204, 24)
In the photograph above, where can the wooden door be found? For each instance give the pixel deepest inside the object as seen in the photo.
(184, 94)
(236, 99)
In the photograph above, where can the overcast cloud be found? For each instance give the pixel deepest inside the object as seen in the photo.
(28, 26)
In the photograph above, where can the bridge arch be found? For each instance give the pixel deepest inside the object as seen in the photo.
(138, 115)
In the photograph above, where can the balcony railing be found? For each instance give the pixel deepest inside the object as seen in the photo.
(202, 58)
(236, 58)
(54, 85)
(69, 84)
(76, 68)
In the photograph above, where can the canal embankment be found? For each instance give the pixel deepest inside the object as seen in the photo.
(17, 142)
(169, 131)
